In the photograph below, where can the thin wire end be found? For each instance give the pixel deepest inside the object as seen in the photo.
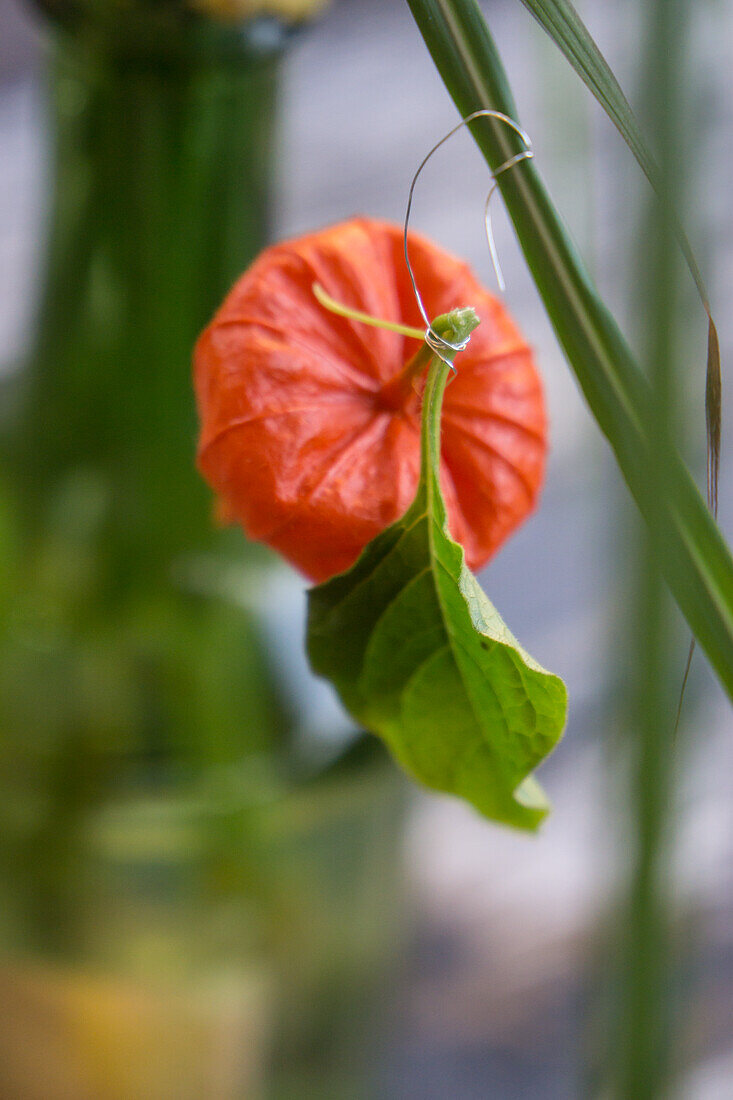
(526, 154)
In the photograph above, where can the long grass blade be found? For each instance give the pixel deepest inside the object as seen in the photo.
(563, 24)
(694, 558)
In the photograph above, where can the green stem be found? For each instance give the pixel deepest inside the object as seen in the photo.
(645, 1047)
(455, 327)
(341, 310)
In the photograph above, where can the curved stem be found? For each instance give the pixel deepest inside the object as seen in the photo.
(341, 310)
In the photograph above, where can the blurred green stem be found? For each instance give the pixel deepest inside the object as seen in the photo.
(646, 1021)
(118, 665)
(161, 199)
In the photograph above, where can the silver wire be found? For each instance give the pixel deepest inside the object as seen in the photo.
(434, 341)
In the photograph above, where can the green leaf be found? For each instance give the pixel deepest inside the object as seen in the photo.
(689, 546)
(420, 656)
(563, 24)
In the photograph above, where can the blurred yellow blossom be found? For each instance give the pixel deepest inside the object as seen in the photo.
(290, 10)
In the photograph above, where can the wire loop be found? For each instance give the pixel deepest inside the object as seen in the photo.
(438, 344)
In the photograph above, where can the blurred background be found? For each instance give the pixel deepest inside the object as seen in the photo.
(211, 885)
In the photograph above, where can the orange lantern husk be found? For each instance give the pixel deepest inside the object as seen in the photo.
(310, 422)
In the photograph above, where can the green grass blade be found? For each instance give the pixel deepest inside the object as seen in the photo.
(692, 553)
(567, 30)
(563, 24)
